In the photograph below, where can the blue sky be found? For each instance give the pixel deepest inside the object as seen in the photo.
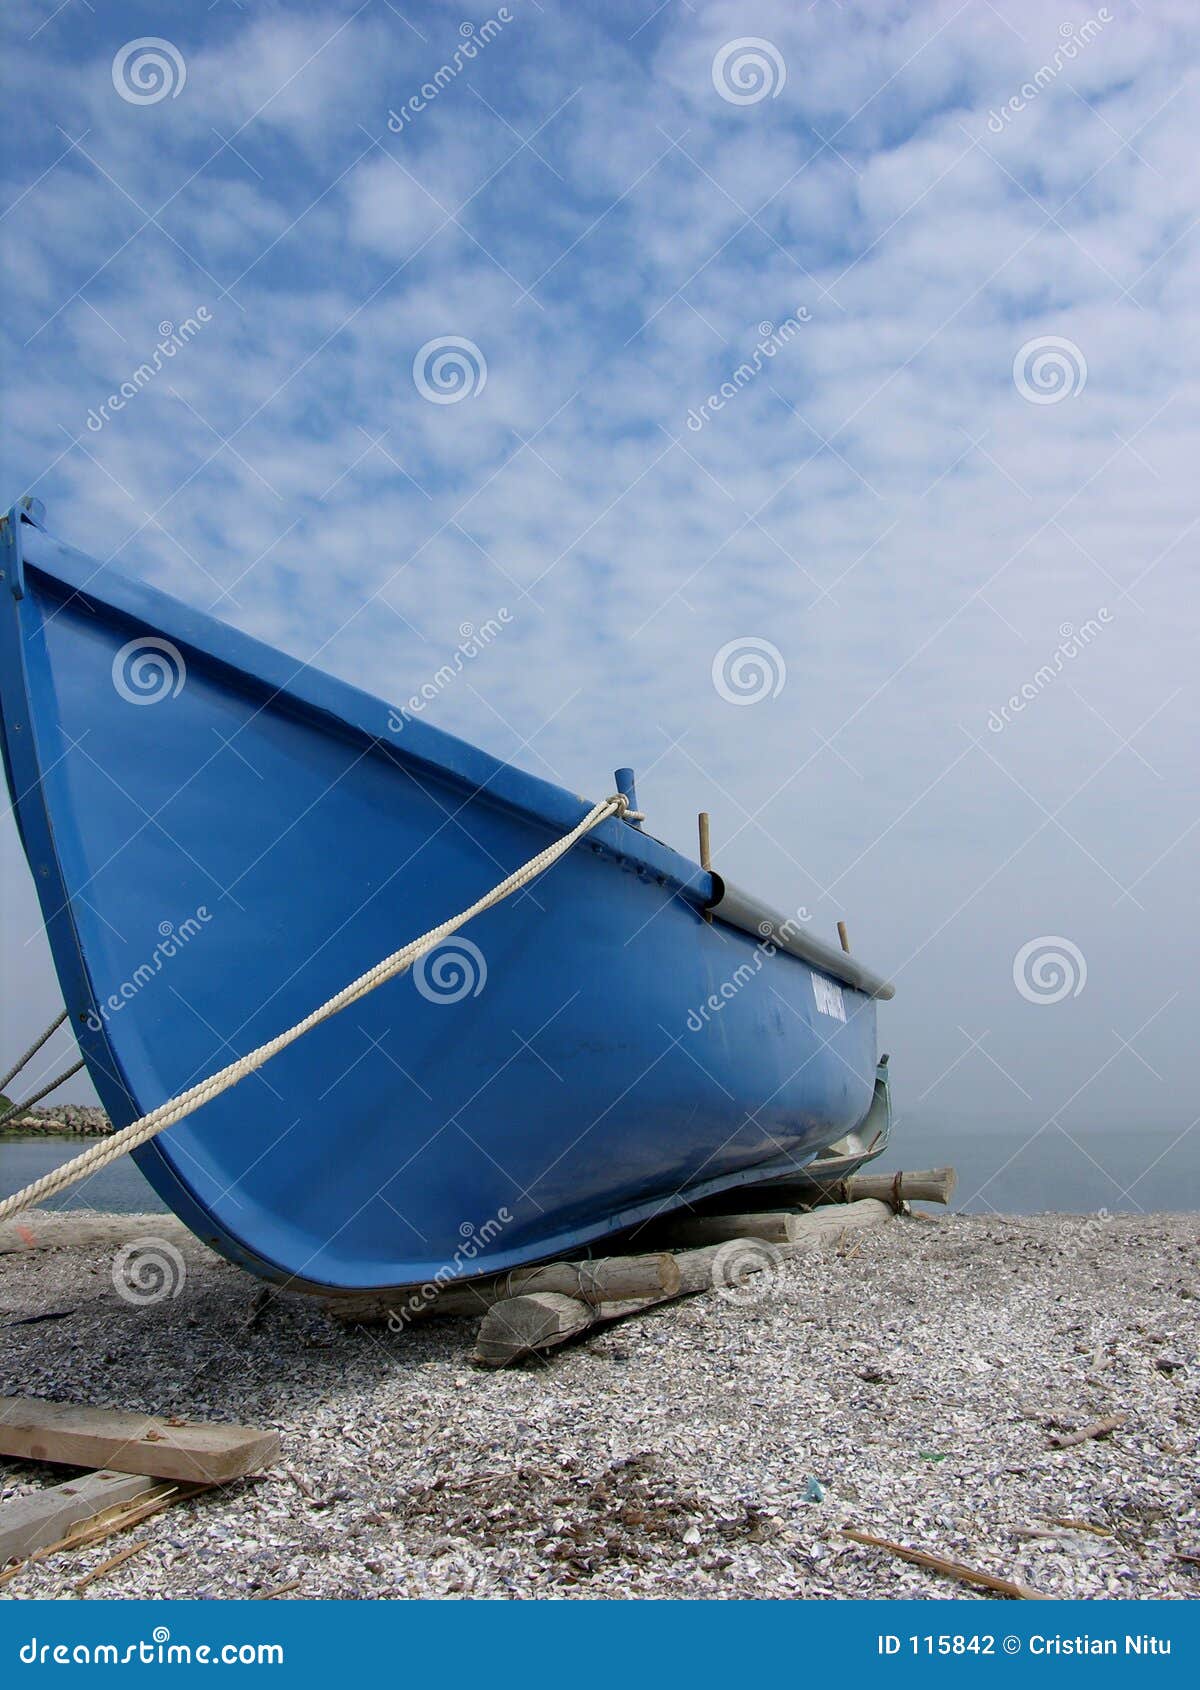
(974, 431)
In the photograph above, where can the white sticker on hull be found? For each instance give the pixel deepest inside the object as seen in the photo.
(829, 997)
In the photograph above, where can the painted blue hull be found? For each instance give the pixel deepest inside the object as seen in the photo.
(214, 864)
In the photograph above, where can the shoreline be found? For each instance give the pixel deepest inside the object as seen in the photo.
(912, 1387)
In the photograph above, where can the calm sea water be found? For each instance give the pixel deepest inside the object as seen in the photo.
(118, 1188)
(998, 1170)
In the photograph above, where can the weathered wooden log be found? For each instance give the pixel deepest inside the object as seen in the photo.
(693, 1231)
(524, 1325)
(518, 1326)
(611, 1279)
(934, 1185)
(86, 1229)
(690, 1232)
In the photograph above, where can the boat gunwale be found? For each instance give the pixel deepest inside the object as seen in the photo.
(483, 777)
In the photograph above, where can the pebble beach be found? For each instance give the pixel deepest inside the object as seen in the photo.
(913, 1386)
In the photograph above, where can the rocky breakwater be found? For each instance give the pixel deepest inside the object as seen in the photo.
(75, 1120)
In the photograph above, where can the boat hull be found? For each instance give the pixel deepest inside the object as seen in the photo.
(215, 860)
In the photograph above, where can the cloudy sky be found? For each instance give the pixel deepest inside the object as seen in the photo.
(936, 263)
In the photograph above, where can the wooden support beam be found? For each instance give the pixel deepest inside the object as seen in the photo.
(44, 1516)
(611, 1279)
(518, 1326)
(195, 1451)
(776, 1227)
(526, 1325)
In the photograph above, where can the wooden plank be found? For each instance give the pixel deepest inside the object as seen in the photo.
(194, 1451)
(30, 1522)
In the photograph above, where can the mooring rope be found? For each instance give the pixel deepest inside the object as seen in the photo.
(33, 1050)
(177, 1108)
(51, 1085)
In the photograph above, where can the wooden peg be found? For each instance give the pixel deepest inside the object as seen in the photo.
(844, 937)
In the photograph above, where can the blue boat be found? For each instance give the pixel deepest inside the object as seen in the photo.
(222, 837)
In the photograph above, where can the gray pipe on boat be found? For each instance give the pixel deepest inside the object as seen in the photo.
(740, 910)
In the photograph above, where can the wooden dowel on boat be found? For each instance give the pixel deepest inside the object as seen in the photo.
(844, 937)
(705, 852)
(932, 1185)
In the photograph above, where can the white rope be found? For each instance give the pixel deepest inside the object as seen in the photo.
(176, 1108)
